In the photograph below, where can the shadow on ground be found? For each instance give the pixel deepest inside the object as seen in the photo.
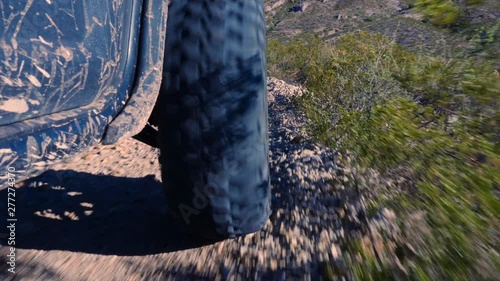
(82, 212)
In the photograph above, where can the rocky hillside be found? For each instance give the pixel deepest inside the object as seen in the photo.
(397, 20)
(415, 98)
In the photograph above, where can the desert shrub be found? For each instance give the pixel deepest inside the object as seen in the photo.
(436, 118)
(439, 12)
(454, 171)
(289, 60)
(353, 73)
(356, 71)
(484, 39)
(443, 12)
(465, 90)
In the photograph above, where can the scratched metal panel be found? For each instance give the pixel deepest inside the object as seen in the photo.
(32, 146)
(60, 54)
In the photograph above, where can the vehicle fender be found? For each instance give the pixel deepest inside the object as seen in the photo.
(134, 116)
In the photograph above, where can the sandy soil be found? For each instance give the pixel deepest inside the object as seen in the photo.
(102, 216)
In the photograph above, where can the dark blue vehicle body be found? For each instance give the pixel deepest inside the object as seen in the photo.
(74, 73)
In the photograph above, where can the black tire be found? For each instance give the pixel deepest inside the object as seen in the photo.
(213, 125)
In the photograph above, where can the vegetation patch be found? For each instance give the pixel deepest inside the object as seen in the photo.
(432, 121)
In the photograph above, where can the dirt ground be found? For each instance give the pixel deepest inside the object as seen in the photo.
(102, 215)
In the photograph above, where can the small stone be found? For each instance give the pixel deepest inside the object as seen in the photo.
(389, 214)
(270, 97)
(306, 152)
(282, 158)
(335, 251)
(297, 139)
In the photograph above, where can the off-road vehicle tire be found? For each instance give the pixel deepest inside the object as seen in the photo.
(213, 134)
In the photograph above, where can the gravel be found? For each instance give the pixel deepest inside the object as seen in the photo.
(102, 215)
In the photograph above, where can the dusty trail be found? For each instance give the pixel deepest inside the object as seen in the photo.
(102, 216)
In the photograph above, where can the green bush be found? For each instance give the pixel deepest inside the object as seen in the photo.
(437, 119)
(289, 60)
(484, 39)
(443, 12)
(439, 12)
